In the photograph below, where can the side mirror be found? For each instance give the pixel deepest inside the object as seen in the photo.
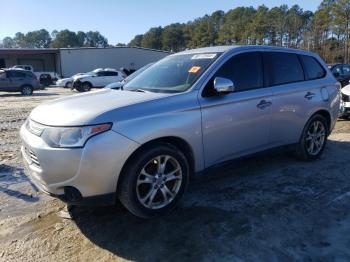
(336, 74)
(223, 85)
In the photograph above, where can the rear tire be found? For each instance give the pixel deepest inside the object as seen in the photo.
(313, 139)
(27, 90)
(154, 180)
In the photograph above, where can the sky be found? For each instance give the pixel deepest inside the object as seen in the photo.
(118, 20)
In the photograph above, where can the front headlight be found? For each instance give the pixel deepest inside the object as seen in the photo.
(72, 136)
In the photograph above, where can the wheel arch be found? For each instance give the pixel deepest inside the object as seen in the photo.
(88, 82)
(174, 141)
(327, 116)
(31, 86)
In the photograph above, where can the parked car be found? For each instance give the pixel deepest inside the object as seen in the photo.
(341, 72)
(187, 112)
(15, 80)
(120, 84)
(345, 102)
(45, 78)
(97, 78)
(68, 82)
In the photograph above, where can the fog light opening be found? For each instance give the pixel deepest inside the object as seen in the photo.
(72, 194)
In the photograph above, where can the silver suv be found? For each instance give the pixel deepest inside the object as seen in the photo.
(189, 111)
(18, 80)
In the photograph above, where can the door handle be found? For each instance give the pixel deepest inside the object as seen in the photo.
(309, 95)
(263, 104)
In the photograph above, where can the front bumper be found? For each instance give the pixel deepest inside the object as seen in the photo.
(344, 108)
(93, 170)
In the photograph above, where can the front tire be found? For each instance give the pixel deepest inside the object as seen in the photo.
(68, 85)
(313, 139)
(85, 87)
(154, 180)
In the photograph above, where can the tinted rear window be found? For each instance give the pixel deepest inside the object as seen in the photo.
(283, 68)
(312, 67)
(16, 74)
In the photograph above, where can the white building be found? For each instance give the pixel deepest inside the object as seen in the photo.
(69, 61)
(76, 60)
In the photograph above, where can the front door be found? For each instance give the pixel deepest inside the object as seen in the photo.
(237, 123)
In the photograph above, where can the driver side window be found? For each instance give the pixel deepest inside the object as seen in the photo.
(101, 73)
(244, 70)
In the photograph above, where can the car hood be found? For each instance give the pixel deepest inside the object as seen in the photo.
(84, 109)
(64, 79)
(346, 90)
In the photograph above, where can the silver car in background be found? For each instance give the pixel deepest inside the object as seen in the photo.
(185, 113)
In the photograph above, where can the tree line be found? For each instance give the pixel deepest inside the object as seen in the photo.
(325, 31)
(57, 39)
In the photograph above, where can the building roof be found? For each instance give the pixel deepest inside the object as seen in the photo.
(28, 51)
(35, 51)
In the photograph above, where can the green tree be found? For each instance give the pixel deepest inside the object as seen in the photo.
(136, 41)
(8, 42)
(95, 39)
(153, 38)
(340, 10)
(81, 36)
(20, 40)
(173, 38)
(64, 39)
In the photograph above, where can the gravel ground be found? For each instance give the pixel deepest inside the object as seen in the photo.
(266, 208)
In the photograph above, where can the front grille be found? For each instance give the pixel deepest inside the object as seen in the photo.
(32, 157)
(345, 98)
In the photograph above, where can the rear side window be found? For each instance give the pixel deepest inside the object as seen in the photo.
(101, 73)
(312, 67)
(346, 69)
(111, 73)
(283, 68)
(245, 70)
(16, 74)
(30, 75)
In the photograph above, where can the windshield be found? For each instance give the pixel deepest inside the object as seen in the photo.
(137, 72)
(172, 74)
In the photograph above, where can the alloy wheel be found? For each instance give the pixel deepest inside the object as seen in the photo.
(26, 90)
(159, 182)
(315, 138)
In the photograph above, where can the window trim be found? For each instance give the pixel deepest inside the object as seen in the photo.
(306, 75)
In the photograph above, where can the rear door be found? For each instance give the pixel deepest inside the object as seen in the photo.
(295, 93)
(237, 123)
(100, 79)
(17, 79)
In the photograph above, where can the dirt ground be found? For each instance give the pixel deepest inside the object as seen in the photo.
(266, 208)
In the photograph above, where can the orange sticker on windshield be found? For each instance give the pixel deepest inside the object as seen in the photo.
(194, 69)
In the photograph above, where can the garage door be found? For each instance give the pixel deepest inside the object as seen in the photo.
(37, 64)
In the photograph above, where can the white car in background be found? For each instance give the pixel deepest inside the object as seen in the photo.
(120, 84)
(345, 102)
(68, 82)
(97, 78)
